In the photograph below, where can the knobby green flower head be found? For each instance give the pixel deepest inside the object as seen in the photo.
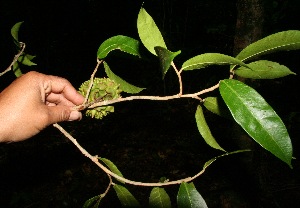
(102, 89)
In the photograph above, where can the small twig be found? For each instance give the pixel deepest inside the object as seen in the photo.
(108, 187)
(22, 47)
(179, 78)
(92, 81)
(85, 103)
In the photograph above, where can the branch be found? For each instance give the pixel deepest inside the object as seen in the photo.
(22, 47)
(97, 103)
(125, 180)
(85, 103)
(108, 187)
(157, 98)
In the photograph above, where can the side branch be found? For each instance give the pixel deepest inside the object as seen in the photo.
(22, 47)
(179, 78)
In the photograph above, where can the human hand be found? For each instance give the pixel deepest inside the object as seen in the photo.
(34, 101)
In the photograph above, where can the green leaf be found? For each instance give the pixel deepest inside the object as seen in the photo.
(15, 32)
(207, 59)
(257, 118)
(159, 198)
(263, 69)
(281, 41)
(120, 42)
(125, 86)
(189, 197)
(204, 129)
(25, 59)
(112, 167)
(30, 57)
(208, 163)
(125, 197)
(16, 69)
(217, 106)
(165, 57)
(149, 32)
(92, 202)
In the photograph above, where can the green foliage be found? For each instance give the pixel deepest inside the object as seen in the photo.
(282, 41)
(124, 86)
(159, 198)
(189, 197)
(204, 129)
(93, 202)
(15, 32)
(166, 58)
(112, 167)
(207, 59)
(263, 69)
(125, 197)
(257, 118)
(149, 32)
(119, 42)
(23, 59)
(216, 105)
(238, 101)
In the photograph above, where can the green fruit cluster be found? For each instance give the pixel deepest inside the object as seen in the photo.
(102, 89)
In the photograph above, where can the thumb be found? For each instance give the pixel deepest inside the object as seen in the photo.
(58, 114)
(63, 113)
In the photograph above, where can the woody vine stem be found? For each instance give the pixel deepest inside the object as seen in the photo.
(96, 103)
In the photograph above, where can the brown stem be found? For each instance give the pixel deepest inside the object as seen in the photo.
(107, 171)
(22, 47)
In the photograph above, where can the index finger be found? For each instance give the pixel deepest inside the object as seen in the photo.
(62, 86)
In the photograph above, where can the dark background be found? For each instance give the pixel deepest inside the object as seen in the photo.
(145, 139)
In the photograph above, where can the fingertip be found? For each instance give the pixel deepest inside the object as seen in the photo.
(75, 116)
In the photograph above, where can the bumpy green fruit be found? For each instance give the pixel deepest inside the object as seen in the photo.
(103, 89)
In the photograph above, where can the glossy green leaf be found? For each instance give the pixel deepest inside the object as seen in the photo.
(159, 198)
(93, 202)
(149, 32)
(263, 69)
(112, 167)
(119, 42)
(165, 57)
(281, 41)
(257, 118)
(25, 59)
(217, 106)
(125, 86)
(208, 59)
(204, 129)
(189, 197)
(125, 197)
(15, 31)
